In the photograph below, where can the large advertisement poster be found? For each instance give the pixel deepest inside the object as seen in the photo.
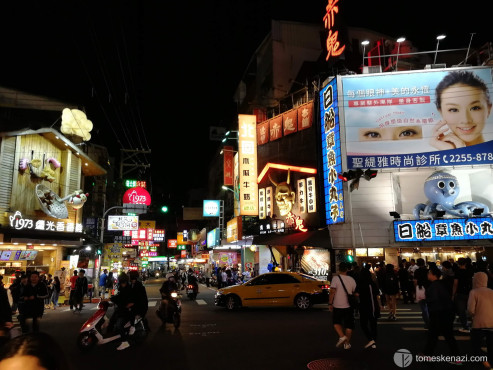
(423, 118)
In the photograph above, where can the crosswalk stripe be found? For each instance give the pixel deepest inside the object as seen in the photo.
(201, 301)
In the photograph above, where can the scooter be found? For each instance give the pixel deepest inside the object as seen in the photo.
(192, 291)
(174, 310)
(93, 330)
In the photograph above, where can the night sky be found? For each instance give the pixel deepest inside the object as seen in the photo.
(156, 74)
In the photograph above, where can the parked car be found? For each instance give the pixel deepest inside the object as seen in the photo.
(275, 289)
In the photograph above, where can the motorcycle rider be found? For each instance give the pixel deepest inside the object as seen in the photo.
(139, 303)
(168, 286)
(122, 314)
(192, 280)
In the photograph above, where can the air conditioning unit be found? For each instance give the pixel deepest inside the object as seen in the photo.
(435, 66)
(372, 69)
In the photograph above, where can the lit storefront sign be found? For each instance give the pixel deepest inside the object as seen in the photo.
(234, 230)
(311, 195)
(261, 204)
(213, 238)
(393, 120)
(158, 235)
(135, 183)
(247, 150)
(332, 43)
(228, 165)
(211, 208)
(331, 154)
(454, 229)
(172, 243)
(137, 195)
(301, 195)
(121, 223)
(17, 222)
(316, 262)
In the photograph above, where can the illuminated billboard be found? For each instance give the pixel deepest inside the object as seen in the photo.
(331, 154)
(425, 118)
(453, 229)
(247, 151)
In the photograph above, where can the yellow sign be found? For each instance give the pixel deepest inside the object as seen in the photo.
(247, 150)
(147, 224)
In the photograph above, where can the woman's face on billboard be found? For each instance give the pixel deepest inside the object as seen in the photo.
(390, 133)
(465, 110)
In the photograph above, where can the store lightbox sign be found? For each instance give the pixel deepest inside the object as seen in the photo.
(18, 222)
(247, 152)
(331, 153)
(453, 229)
(213, 238)
(211, 208)
(414, 119)
(121, 223)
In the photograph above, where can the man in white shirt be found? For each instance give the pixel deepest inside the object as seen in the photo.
(342, 313)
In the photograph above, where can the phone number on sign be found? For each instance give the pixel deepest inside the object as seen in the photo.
(458, 158)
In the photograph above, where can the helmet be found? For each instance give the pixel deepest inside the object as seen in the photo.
(170, 275)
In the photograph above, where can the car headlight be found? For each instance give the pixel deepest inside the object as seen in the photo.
(219, 293)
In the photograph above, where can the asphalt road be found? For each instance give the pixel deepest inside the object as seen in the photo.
(248, 339)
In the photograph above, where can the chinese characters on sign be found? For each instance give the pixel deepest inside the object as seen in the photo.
(19, 223)
(331, 152)
(444, 229)
(333, 45)
(247, 150)
(228, 165)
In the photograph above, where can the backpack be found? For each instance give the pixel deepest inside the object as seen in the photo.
(391, 285)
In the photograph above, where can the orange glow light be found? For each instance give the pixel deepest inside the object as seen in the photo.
(284, 167)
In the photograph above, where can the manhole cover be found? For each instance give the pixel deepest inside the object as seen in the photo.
(335, 364)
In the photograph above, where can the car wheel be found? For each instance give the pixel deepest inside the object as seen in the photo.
(302, 302)
(232, 302)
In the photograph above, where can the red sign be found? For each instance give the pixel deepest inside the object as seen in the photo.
(172, 243)
(305, 116)
(332, 42)
(183, 254)
(228, 165)
(290, 122)
(275, 128)
(137, 195)
(262, 133)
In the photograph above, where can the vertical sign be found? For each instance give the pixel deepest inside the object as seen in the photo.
(236, 185)
(269, 205)
(311, 195)
(331, 153)
(228, 165)
(247, 150)
(301, 189)
(261, 203)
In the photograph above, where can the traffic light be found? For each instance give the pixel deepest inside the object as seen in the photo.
(99, 251)
(164, 209)
(350, 175)
(349, 258)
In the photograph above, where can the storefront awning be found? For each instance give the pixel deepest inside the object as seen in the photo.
(315, 238)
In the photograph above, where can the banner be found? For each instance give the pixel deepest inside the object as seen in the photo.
(425, 118)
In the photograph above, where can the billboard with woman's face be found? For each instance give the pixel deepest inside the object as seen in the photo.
(423, 118)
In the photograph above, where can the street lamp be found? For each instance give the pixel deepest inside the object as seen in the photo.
(399, 40)
(226, 136)
(226, 188)
(364, 43)
(439, 37)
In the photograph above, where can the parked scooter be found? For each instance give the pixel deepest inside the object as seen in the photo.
(174, 310)
(93, 331)
(192, 291)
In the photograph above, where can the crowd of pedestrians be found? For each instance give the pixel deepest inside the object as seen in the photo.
(445, 292)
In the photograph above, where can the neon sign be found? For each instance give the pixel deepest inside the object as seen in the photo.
(295, 222)
(444, 229)
(332, 42)
(17, 222)
(137, 195)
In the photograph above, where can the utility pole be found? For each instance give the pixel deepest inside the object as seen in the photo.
(131, 159)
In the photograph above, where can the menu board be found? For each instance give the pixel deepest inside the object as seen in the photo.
(16, 256)
(28, 255)
(5, 256)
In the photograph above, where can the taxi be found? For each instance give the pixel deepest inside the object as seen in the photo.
(275, 289)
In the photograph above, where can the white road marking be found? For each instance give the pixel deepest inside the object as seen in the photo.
(201, 302)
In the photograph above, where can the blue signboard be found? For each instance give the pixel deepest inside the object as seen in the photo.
(425, 118)
(213, 238)
(453, 229)
(211, 208)
(331, 154)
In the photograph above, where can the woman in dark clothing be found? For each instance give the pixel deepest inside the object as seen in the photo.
(369, 309)
(5, 314)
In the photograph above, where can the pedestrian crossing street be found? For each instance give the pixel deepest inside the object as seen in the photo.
(410, 319)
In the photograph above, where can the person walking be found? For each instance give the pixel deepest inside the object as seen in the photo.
(49, 287)
(421, 282)
(219, 278)
(5, 314)
(369, 309)
(73, 279)
(34, 294)
(81, 287)
(14, 290)
(342, 312)
(460, 292)
(480, 307)
(403, 277)
(441, 314)
(391, 289)
(56, 291)
(102, 283)
(110, 283)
